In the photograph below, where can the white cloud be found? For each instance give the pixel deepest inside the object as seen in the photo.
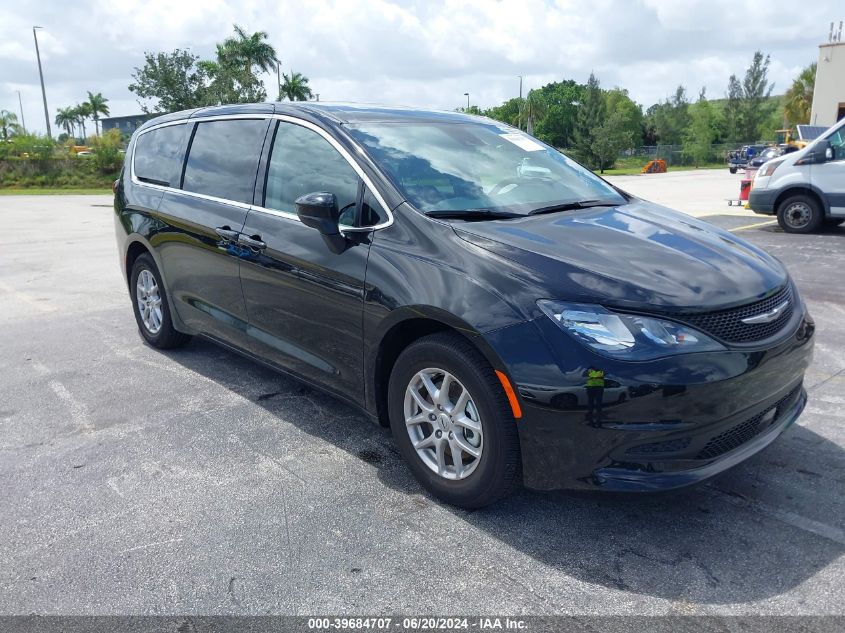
(424, 52)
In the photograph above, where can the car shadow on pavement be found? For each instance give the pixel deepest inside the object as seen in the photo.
(756, 532)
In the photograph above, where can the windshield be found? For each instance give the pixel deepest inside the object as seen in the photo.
(478, 166)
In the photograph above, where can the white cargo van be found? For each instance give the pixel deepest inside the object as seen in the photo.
(804, 189)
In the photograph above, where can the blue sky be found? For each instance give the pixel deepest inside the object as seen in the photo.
(424, 53)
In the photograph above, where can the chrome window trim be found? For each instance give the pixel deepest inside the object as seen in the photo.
(253, 207)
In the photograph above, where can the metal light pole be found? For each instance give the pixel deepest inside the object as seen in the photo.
(20, 103)
(466, 94)
(41, 75)
(279, 78)
(519, 118)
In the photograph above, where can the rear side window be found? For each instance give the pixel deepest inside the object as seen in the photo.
(223, 158)
(303, 162)
(156, 158)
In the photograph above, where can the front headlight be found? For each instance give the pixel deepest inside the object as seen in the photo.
(768, 168)
(626, 336)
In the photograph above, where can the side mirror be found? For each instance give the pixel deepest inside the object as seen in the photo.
(319, 211)
(821, 152)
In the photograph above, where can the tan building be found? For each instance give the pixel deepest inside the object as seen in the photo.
(829, 92)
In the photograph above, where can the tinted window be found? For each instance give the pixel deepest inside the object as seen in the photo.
(223, 158)
(303, 162)
(157, 155)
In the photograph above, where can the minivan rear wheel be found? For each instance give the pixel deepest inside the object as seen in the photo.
(151, 307)
(452, 422)
(799, 214)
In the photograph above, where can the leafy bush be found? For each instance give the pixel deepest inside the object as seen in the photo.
(107, 155)
(33, 146)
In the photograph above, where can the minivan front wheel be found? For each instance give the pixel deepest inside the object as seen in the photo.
(150, 305)
(799, 214)
(452, 422)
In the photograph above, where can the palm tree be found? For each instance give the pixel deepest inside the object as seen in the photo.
(798, 101)
(249, 50)
(82, 112)
(534, 109)
(295, 87)
(97, 106)
(66, 118)
(8, 124)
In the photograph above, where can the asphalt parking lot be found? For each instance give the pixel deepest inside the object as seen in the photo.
(197, 482)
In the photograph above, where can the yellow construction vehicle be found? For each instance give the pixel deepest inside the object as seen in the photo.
(787, 138)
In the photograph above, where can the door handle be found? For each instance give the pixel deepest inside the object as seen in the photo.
(253, 242)
(227, 233)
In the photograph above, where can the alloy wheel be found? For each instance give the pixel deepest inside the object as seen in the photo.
(443, 423)
(149, 301)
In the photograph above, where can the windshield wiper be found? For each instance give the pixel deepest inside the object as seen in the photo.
(579, 204)
(472, 214)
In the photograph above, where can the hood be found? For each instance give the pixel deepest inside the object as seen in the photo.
(638, 255)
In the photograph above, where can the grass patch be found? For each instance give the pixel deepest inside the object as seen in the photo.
(53, 191)
(628, 170)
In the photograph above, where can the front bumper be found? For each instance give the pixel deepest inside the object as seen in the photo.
(762, 201)
(655, 425)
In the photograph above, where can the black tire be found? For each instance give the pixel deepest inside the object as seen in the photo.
(732, 169)
(167, 336)
(800, 214)
(499, 469)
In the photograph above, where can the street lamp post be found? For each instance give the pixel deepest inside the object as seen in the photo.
(20, 103)
(279, 79)
(41, 75)
(466, 94)
(519, 119)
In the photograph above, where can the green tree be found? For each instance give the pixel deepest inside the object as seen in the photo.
(172, 81)
(617, 100)
(702, 131)
(295, 87)
(670, 118)
(9, 126)
(733, 112)
(228, 82)
(798, 101)
(508, 112)
(248, 50)
(610, 138)
(756, 90)
(66, 118)
(563, 99)
(591, 116)
(97, 104)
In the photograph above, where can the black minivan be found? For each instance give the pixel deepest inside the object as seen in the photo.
(513, 318)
